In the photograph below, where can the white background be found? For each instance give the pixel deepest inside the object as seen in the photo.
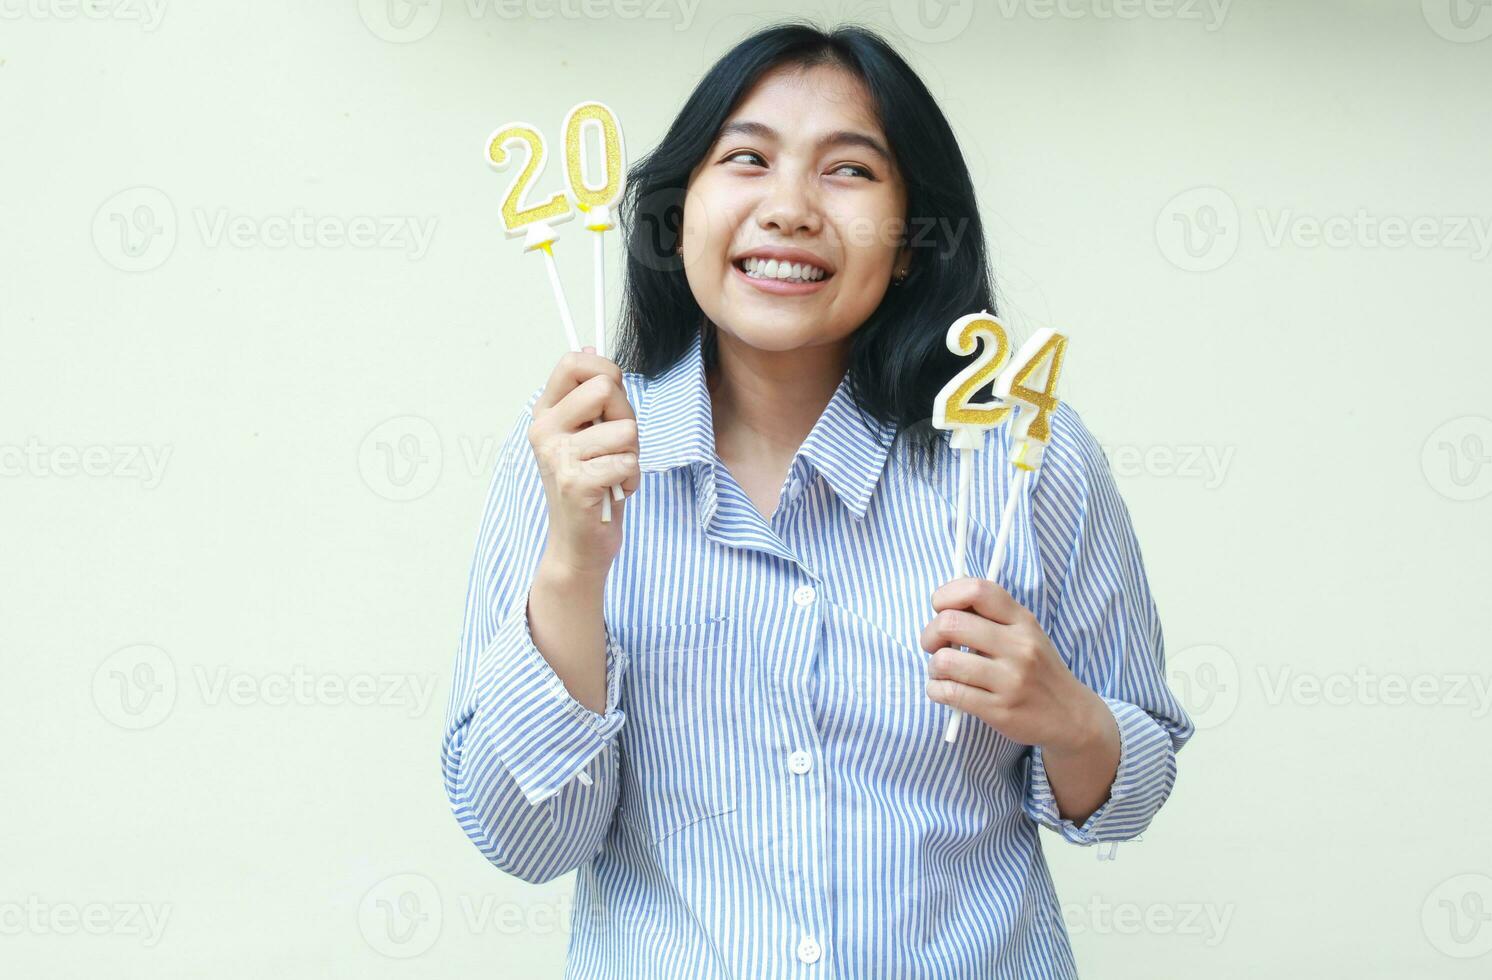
(1300, 425)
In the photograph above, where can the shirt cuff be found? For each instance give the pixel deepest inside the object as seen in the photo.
(1141, 784)
(544, 737)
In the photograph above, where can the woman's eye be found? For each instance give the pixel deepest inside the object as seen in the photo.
(753, 158)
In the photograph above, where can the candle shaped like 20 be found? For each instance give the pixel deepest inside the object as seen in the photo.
(595, 200)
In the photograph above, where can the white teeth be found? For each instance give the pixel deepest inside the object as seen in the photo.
(773, 269)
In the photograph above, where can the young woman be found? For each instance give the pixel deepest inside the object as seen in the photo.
(726, 707)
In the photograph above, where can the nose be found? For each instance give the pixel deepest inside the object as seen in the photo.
(789, 207)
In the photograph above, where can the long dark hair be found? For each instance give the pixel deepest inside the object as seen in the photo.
(898, 360)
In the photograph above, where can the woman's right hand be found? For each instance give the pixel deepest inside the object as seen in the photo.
(579, 461)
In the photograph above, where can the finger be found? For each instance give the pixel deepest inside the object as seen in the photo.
(604, 438)
(959, 627)
(969, 700)
(573, 369)
(602, 471)
(594, 479)
(982, 596)
(947, 663)
(599, 397)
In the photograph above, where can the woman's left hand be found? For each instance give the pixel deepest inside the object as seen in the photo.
(1014, 680)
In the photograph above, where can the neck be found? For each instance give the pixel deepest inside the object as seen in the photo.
(764, 403)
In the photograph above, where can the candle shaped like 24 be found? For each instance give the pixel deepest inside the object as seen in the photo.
(1029, 384)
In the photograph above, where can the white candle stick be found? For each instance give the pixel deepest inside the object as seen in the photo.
(599, 294)
(600, 301)
(961, 522)
(961, 532)
(1007, 517)
(598, 221)
(1002, 539)
(953, 409)
(596, 202)
(965, 441)
(571, 337)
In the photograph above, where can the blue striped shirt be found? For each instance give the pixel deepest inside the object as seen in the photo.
(768, 792)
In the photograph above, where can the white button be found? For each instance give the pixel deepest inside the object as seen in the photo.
(804, 595)
(800, 762)
(808, 950)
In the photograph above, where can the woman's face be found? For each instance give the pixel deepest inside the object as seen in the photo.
(800, 174)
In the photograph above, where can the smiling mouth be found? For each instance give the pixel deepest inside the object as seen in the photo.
(770, 270)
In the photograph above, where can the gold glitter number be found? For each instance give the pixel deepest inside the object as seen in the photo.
(953, 406)
(611, 154)
(1048, 356)
(515, 214)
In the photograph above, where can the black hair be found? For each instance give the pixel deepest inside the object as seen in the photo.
(898, 358)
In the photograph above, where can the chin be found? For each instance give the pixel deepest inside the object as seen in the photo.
(776, 336)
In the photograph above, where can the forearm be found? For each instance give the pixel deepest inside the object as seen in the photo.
(1082, 769)
(566, 620)
(531, 773)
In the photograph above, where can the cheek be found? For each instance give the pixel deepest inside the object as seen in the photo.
(705, 235)
(868, 247)
(863, 280)
(695, 231)
(711, 214)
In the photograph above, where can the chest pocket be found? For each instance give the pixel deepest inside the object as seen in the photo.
(679, 739)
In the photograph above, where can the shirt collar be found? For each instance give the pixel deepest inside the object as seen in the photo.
(676, 428)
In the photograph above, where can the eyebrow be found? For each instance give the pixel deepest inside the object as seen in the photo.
(841, 137)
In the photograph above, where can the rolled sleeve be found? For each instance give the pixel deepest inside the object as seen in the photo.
(543, 736)
(1146, 772)
(1103, 620)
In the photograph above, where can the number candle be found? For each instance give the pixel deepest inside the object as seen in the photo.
(533, 222)
(1038, 363)
(954, 410)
